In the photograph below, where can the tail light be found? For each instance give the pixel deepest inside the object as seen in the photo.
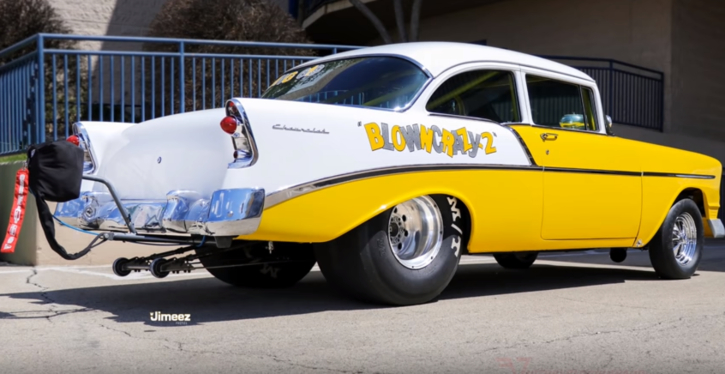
(74, 139)
(80, 138)
(236, 124)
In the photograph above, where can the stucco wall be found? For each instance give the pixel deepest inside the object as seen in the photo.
(634, 31)
(698, 68)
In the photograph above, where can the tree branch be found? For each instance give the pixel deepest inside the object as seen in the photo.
(415, 20)
(374, 19)
(400, 20)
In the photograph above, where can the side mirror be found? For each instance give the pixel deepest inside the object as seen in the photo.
(608, 125)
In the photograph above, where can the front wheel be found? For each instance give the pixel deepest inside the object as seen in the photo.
(676, 249)
(406, 255)
(516, 260)
(283, 266)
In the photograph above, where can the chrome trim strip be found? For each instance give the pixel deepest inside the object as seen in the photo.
(289, 193)
(235, 109)
(85, 143)
(677, 175)
(285, 194)
(521, 141)
(229, 212)
(594, 171)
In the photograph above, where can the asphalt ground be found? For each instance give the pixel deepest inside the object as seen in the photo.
(569, 313)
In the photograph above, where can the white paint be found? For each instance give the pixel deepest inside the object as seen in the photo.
(438, 57)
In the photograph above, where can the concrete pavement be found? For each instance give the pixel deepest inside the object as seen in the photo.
(569, 313)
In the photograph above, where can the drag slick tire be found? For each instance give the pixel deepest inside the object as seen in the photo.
(300, 259)
(404, 256)
(676, 249)
(516, 260)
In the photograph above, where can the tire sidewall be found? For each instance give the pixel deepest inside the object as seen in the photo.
(666, 246)
(414, 284)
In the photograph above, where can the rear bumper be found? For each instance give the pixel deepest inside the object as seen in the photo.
(229, 212)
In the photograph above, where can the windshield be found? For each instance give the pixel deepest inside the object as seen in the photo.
(384, 82)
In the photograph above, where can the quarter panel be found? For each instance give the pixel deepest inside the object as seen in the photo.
(294, 150)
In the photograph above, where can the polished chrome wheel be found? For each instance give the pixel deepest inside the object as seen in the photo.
(684, 238)
(415, 232)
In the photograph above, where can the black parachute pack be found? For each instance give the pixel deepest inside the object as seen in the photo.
(55, 174)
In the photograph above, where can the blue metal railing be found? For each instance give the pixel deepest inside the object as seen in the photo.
(125, 84)
(43, 91)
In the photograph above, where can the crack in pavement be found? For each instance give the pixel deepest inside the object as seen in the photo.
(52, 304)
(609, 304)
(292, 364)
(584, 335)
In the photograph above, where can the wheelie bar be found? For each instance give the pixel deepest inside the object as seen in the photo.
(160, 265)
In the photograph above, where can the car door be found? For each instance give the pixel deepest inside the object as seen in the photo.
(592, 181)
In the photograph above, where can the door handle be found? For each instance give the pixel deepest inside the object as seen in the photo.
(548, 136)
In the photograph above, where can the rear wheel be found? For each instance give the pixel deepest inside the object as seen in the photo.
(405, 255)
(516, 260)
(676, 249)
(286, 265)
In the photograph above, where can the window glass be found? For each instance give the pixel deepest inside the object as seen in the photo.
(558, 104)
(385, 82)
(485, 94)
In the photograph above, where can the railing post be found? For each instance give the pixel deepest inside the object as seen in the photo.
(181, 78)
(611, 89)
(40, 125)
(662, 105)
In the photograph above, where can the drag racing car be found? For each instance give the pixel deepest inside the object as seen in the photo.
(384, 165)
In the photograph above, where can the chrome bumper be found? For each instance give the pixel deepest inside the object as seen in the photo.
(229, 212)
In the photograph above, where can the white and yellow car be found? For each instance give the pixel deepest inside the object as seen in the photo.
(384, 165)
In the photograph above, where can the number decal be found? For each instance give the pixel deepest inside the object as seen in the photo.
(489, 143)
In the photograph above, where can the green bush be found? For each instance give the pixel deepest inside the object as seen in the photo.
(233, 20)
(20, 19)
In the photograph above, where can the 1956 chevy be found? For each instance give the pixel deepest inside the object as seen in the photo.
(384, 165)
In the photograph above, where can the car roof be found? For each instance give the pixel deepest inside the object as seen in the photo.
(438, 57)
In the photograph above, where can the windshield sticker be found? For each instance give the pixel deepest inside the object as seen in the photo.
(422, 138)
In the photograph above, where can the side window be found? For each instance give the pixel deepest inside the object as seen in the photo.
(488, 94)
(559, 104)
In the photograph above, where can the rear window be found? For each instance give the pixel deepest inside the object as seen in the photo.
(384, 82)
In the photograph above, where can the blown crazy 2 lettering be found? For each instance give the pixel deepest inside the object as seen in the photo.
(422, 138)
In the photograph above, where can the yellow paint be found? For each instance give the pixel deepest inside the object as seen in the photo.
(498, 224)
(426, 138)
(599, 205)
(374, 136)
(518, 210)
(489, 143)
(398, 139)
(463, 134)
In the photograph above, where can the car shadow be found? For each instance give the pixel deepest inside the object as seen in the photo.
(209, 300)
(713, 257)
